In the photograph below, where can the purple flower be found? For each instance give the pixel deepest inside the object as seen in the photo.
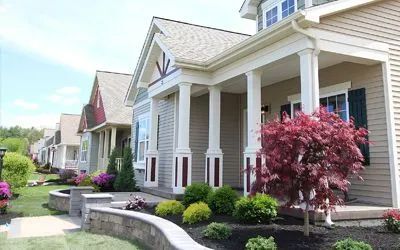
(103, 180)
(5, 191)
(80, 178)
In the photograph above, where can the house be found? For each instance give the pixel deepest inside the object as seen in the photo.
(44, 151)
(199, 94)
(66, 143)
(105, 122)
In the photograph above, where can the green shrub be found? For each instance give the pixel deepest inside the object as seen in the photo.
(169, 208)
(15, 145)
(87, 182)
(217, 231)
(222, 201)
(350, 244)
(196, 212)
(261, 243)
(195, 193)
(125, 181)
(112, 162)
(17, 169)
(260, 208)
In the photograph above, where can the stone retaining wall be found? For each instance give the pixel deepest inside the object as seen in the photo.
(151, 231)
(59, 201)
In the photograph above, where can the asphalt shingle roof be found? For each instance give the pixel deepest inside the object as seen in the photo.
(69, 124)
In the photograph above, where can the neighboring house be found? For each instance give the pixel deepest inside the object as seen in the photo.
(35, 148)
(105, 122)
(44, 152)
(66, 142)
(199, 94)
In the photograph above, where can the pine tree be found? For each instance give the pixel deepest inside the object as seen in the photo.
(125, 181)
(112, 164)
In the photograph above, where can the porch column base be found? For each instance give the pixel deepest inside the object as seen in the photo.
(151, 174)
(214, 168)
(251, 160)
(182, 170)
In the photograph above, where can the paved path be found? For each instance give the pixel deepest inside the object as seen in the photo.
(43, 226)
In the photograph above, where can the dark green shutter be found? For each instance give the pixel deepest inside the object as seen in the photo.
(358, 110)
(286, 108)
(136, 142)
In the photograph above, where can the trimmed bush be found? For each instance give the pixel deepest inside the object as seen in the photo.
(392, 220)
(222, 200)
(195, 193)
(112, 162)
(67, 174)
(17, 169)
(260, 208)
(350, 244)
(261, 243)
(169, 208)
(196, 212)
(84, 180)
(125, 181)
(217, 231)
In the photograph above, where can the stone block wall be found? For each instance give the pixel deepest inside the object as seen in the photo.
(59, 201)
(75, 205)
(92, 201)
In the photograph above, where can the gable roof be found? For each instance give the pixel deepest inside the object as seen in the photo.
(87, 116)
(69, 124)
(112, 87)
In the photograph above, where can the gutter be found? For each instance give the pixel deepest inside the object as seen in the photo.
(307, 33)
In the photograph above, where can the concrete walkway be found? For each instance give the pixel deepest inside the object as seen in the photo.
(43, 226)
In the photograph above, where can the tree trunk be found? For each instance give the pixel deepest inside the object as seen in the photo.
(307, 221)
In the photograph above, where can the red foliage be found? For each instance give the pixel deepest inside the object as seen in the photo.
(310, 152)
(392, 214)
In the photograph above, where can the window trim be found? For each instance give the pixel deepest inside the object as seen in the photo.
(332, 90)
(142, 117)
(267, 7)
(86, 140)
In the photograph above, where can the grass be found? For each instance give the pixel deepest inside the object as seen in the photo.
(32, 201)
(78, 240)
(35, 176)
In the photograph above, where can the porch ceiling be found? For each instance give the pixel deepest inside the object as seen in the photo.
(287, 68)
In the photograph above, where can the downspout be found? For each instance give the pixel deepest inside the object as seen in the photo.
(309, 34)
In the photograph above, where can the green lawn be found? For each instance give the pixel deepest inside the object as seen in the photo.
(78, 240)
(35, 176)
(32, 201)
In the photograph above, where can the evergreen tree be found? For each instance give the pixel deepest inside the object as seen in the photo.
(112, 163)
(125, 181)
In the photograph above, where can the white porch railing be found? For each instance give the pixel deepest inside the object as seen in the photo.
(119, 163)
(71, 164)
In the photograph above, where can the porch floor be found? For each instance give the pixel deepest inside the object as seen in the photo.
(163, 192)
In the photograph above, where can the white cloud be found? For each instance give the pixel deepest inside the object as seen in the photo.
(26, 105)
(42, 120)
(65, 100)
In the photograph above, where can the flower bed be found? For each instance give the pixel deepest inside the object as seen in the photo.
(5, 195)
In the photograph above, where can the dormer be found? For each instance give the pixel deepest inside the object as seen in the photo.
(266, 13)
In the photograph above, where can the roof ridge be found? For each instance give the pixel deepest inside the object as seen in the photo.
(113, 72)
(202, 26)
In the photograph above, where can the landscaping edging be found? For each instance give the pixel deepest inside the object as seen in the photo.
(152, 231)
(59, 201)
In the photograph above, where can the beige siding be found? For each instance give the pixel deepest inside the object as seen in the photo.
(379, 22)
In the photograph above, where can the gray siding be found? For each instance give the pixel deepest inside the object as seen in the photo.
(141, 95)
(92, 155)
(166, 141)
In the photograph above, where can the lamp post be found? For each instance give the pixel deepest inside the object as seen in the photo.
(2, 153)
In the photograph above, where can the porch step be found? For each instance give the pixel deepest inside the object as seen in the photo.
(166, 193)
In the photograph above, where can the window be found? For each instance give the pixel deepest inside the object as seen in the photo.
(278, 11)
(271, 16)
(143, 138)
(84, 149)
(288, 8)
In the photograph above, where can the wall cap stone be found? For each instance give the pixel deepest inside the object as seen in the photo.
(58, 193)
(82, 188)
(177, 237)
(97, 196)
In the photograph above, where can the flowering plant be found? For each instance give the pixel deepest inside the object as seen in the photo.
(5, 195)
(104, 180)
(80, 178)
(136, 203)
(392, 220)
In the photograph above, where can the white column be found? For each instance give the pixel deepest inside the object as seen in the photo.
(183, 154)
(151, 178)
(113, 138)
(214, 156)
(253, 127)
(106, 143)
(63, 155)
(101, 148)
(309, 81)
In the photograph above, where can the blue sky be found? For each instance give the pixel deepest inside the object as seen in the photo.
(50, 50)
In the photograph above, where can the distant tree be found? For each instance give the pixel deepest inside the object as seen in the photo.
(31, 134)
(305, 157)
(112, 163)
(16, 145)
(125, 181)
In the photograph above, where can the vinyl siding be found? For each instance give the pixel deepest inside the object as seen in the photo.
(376, 187)
(92, 155)
(141, 95)
(378, 22)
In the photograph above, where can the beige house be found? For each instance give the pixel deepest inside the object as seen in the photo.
(199, 93)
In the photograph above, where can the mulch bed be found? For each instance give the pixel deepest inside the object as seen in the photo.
(288, 234)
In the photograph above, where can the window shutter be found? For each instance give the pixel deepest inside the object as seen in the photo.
(358, 110)
(286, 108)
(136, 142)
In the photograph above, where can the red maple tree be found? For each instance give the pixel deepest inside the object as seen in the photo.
(307, 157)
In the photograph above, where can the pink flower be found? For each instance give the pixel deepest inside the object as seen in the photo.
(5, 191)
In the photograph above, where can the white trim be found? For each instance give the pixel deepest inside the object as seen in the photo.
(393, 160)
(140, 104)
(145, 116)
(267, 6)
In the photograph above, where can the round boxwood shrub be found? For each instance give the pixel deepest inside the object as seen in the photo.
(217, 231)
(222, 200)
(261, 243)
(260, 208)
(169, 208)
(195, 193)
(17, 169)
(196, 212)
(349, 243)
